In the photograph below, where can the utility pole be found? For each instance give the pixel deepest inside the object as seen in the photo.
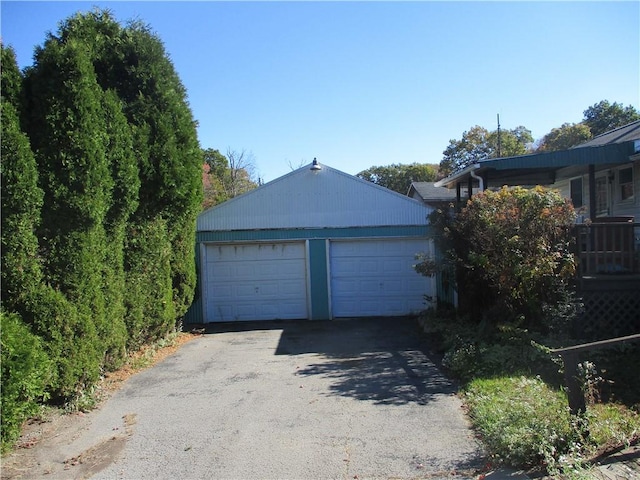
(499, 149)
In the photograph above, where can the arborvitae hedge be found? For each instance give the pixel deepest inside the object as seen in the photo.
(148, 268)
(25, 375)
(101, 186)
(20, 209)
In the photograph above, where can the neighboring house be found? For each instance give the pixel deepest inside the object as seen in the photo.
(314, 244)
(602, 178)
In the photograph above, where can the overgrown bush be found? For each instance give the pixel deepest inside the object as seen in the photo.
(26, 371)
(511, 250)
(69, 339)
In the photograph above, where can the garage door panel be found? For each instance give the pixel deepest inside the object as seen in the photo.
(244, 292)
(292, 288)
(256, 282)
(246, 310)
(376, 277)
(268, 290)
(393, 266)
(224, 311)
(224, 290)
(285, 269)
(393, 287)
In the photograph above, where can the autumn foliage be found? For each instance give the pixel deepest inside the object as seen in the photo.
(512, 253)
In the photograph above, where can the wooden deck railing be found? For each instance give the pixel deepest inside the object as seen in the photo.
(608, 246)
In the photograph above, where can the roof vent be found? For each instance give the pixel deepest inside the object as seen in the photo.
(315, 166)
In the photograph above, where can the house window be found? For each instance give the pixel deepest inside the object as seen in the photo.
(576, 192)
(602, 196)
(625, 182)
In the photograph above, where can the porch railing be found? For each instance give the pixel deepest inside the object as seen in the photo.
(608, 247)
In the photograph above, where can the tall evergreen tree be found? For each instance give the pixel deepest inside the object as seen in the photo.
(100, 197)
(166, 145)
(11, 78)
(21, 197)
(123, 202)
(132, 61)
(69, 135)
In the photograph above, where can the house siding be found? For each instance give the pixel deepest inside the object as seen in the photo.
(618, 208)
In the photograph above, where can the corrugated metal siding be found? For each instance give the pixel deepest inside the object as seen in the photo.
(304, 199)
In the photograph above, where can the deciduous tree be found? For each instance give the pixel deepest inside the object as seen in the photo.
(225, 177)
(604, 116)
(564, 137)
(479, 144)
(398, 177)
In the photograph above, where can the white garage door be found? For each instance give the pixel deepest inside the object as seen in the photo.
(265, 281)
(376, 278)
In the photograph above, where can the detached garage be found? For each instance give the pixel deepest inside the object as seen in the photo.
(315, 244)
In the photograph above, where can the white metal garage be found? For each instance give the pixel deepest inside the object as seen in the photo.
(376, 277)
(259, 281)
(314, 244)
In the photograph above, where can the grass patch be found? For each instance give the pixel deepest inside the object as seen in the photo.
(525, 423)
(512, 387)
(522, 421)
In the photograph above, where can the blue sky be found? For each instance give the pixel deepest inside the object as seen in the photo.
(358, 84)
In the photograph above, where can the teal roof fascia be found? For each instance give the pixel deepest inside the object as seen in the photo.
(313, 233)
(600, 155)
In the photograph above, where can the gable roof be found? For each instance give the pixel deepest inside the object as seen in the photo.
(618, 135)
(314, 199)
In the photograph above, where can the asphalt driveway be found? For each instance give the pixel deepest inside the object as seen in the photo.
(349, 399)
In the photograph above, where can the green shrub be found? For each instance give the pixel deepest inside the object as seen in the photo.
(101, 187)
(20, 209)
(149, 294)
(472, 350)
(26, 370)
(71, 341)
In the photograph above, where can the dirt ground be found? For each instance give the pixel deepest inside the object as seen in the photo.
(38, 451)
